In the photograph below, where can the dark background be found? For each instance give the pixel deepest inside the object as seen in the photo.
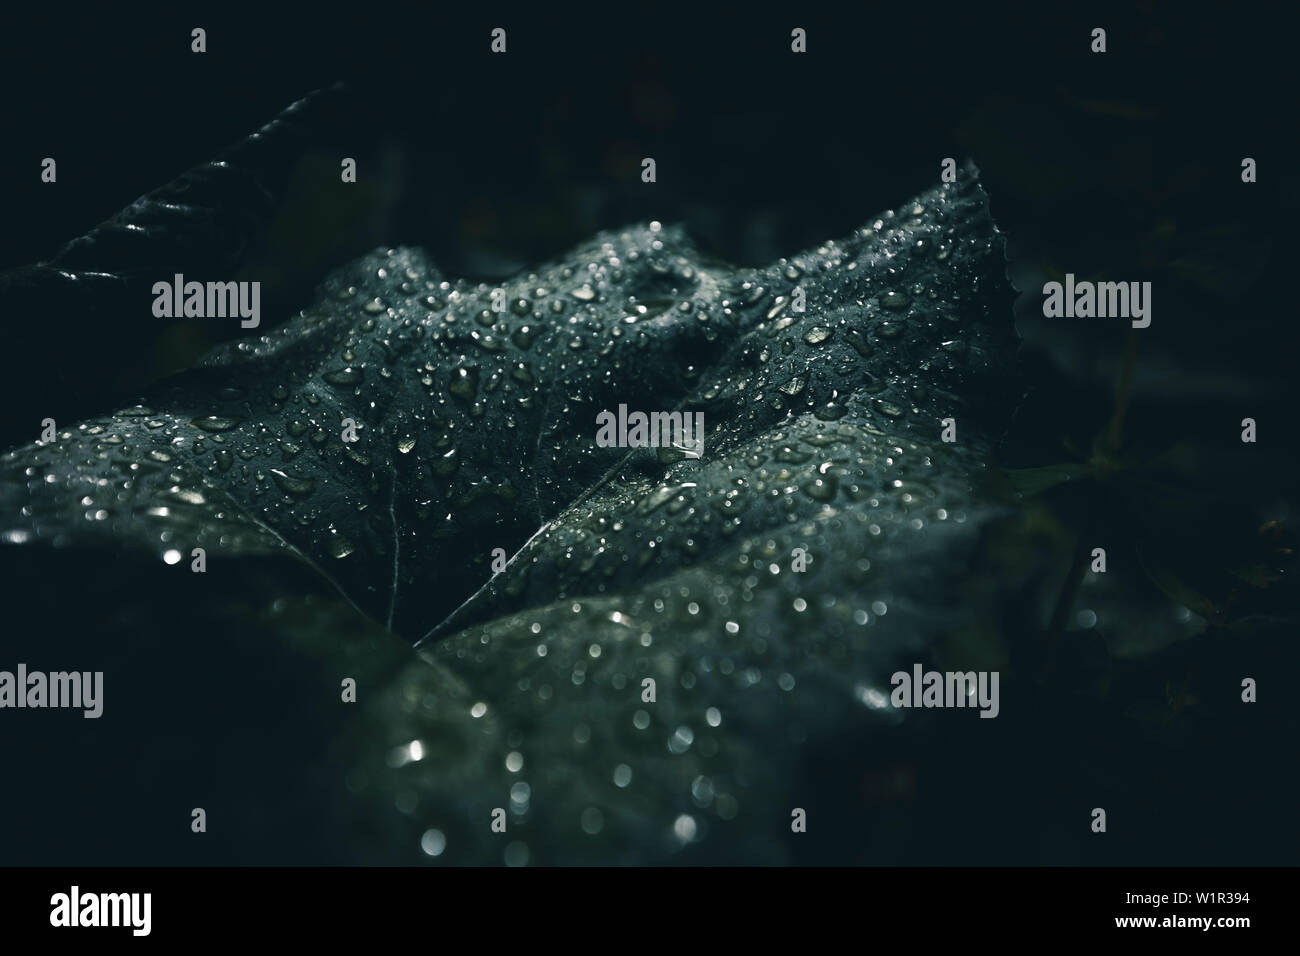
(1124, 165)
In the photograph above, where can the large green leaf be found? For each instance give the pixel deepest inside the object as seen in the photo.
(477, 432)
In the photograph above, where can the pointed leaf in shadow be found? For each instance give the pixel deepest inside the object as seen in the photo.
(1028, 482)
(1164, 577)
(96, 290)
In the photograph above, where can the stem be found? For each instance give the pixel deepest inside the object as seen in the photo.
(1123, 391)
(1071, 585)
(1069, 591)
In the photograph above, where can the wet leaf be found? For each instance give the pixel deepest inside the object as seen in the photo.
(476, 430)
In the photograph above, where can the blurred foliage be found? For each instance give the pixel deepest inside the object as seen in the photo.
(1101, 455)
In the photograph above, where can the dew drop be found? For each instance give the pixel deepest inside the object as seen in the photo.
(215, 423)
(298, 487)
(348, 375)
